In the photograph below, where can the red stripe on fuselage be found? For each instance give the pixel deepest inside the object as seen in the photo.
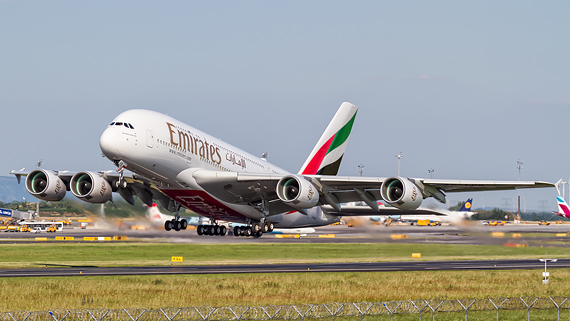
(203, 204)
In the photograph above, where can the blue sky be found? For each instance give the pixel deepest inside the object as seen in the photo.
(464, 88)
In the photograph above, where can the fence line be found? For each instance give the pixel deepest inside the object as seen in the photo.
(297, 312)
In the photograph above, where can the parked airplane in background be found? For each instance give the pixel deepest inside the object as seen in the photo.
(563, 209)
(384, 212)
(158, 219)
(178, 165)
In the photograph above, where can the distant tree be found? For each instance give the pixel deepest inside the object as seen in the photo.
(495, 214)
(457, 207)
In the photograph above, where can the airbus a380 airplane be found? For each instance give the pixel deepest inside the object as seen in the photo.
(178, 165)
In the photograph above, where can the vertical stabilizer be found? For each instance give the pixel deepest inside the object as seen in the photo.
(563, 209)
(467, 206)
(326, 156)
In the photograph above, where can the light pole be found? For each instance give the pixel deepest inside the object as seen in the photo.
(545, 273)
(361, 169)
(430, 171)
(519, 166)
(399, 156)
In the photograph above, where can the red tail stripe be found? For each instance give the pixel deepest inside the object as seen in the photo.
(313, 166)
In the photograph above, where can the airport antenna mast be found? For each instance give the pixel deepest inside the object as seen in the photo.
(519, 166)
(399, 156)
(430, 171)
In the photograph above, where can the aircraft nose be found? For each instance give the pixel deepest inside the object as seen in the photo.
(108, 144)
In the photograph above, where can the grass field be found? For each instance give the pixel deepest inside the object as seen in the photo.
(37, 294)
(139, 254)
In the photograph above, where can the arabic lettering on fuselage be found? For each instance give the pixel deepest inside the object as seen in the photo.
(233, 159)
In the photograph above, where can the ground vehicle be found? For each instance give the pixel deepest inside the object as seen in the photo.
(543, 223)
(51, 229)
(428, 223)
(25, 229)
(65, 221)
(36, 230)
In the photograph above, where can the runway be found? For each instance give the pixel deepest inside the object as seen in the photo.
(531, 234)
(290, 268)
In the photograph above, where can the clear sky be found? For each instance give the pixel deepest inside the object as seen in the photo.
(465, 88)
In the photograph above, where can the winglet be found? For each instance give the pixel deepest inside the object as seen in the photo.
(326, 156)
(557, 185)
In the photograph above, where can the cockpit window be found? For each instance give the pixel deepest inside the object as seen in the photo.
(118, 124)
(131, 126)
(126, 125)
(113, 123)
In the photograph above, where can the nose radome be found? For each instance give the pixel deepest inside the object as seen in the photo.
(108, 144)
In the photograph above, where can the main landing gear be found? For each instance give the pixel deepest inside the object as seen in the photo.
(175, 224)
(255, 229)
(214, 229)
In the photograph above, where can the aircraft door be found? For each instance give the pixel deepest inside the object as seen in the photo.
(149, 139)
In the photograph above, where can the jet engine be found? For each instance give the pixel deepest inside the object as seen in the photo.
(45, 185)
(401, 193)
(90, 187)
(297, 192)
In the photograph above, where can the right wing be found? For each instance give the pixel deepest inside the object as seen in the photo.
(253, 189)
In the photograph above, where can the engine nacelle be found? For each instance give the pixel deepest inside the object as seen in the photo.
(90, 187)
(297, 192)
(45, 185)
(401, 193)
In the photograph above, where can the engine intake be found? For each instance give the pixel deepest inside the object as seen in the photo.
(90, 187)
(45, 185)
(297, 192)
(401, 193)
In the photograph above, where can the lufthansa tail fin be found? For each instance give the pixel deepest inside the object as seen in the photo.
(467, 206)
(326, 156)
(563, 209)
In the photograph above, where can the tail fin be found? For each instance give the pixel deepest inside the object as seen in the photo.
(563, 209)
(467, 206)
(326, 156)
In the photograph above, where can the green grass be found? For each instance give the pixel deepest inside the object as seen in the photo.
(137, 254)
(113, 292)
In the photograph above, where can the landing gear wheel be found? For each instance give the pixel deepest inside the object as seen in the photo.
(177, 225)
(200, 229)
(223, 230)
(255, 228)
(236, 230)
(264, 228)
(247, 231)
(217, 230)
(184, 224)
(258, 234)
(270, 227)
(168, 225)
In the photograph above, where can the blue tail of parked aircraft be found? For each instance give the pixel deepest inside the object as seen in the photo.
(467, 206)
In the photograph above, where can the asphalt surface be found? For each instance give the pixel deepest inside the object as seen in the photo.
(290, 268)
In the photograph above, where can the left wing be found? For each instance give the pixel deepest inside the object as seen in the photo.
(284, 192)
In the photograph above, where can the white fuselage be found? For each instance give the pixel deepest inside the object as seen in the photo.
(167, 152)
